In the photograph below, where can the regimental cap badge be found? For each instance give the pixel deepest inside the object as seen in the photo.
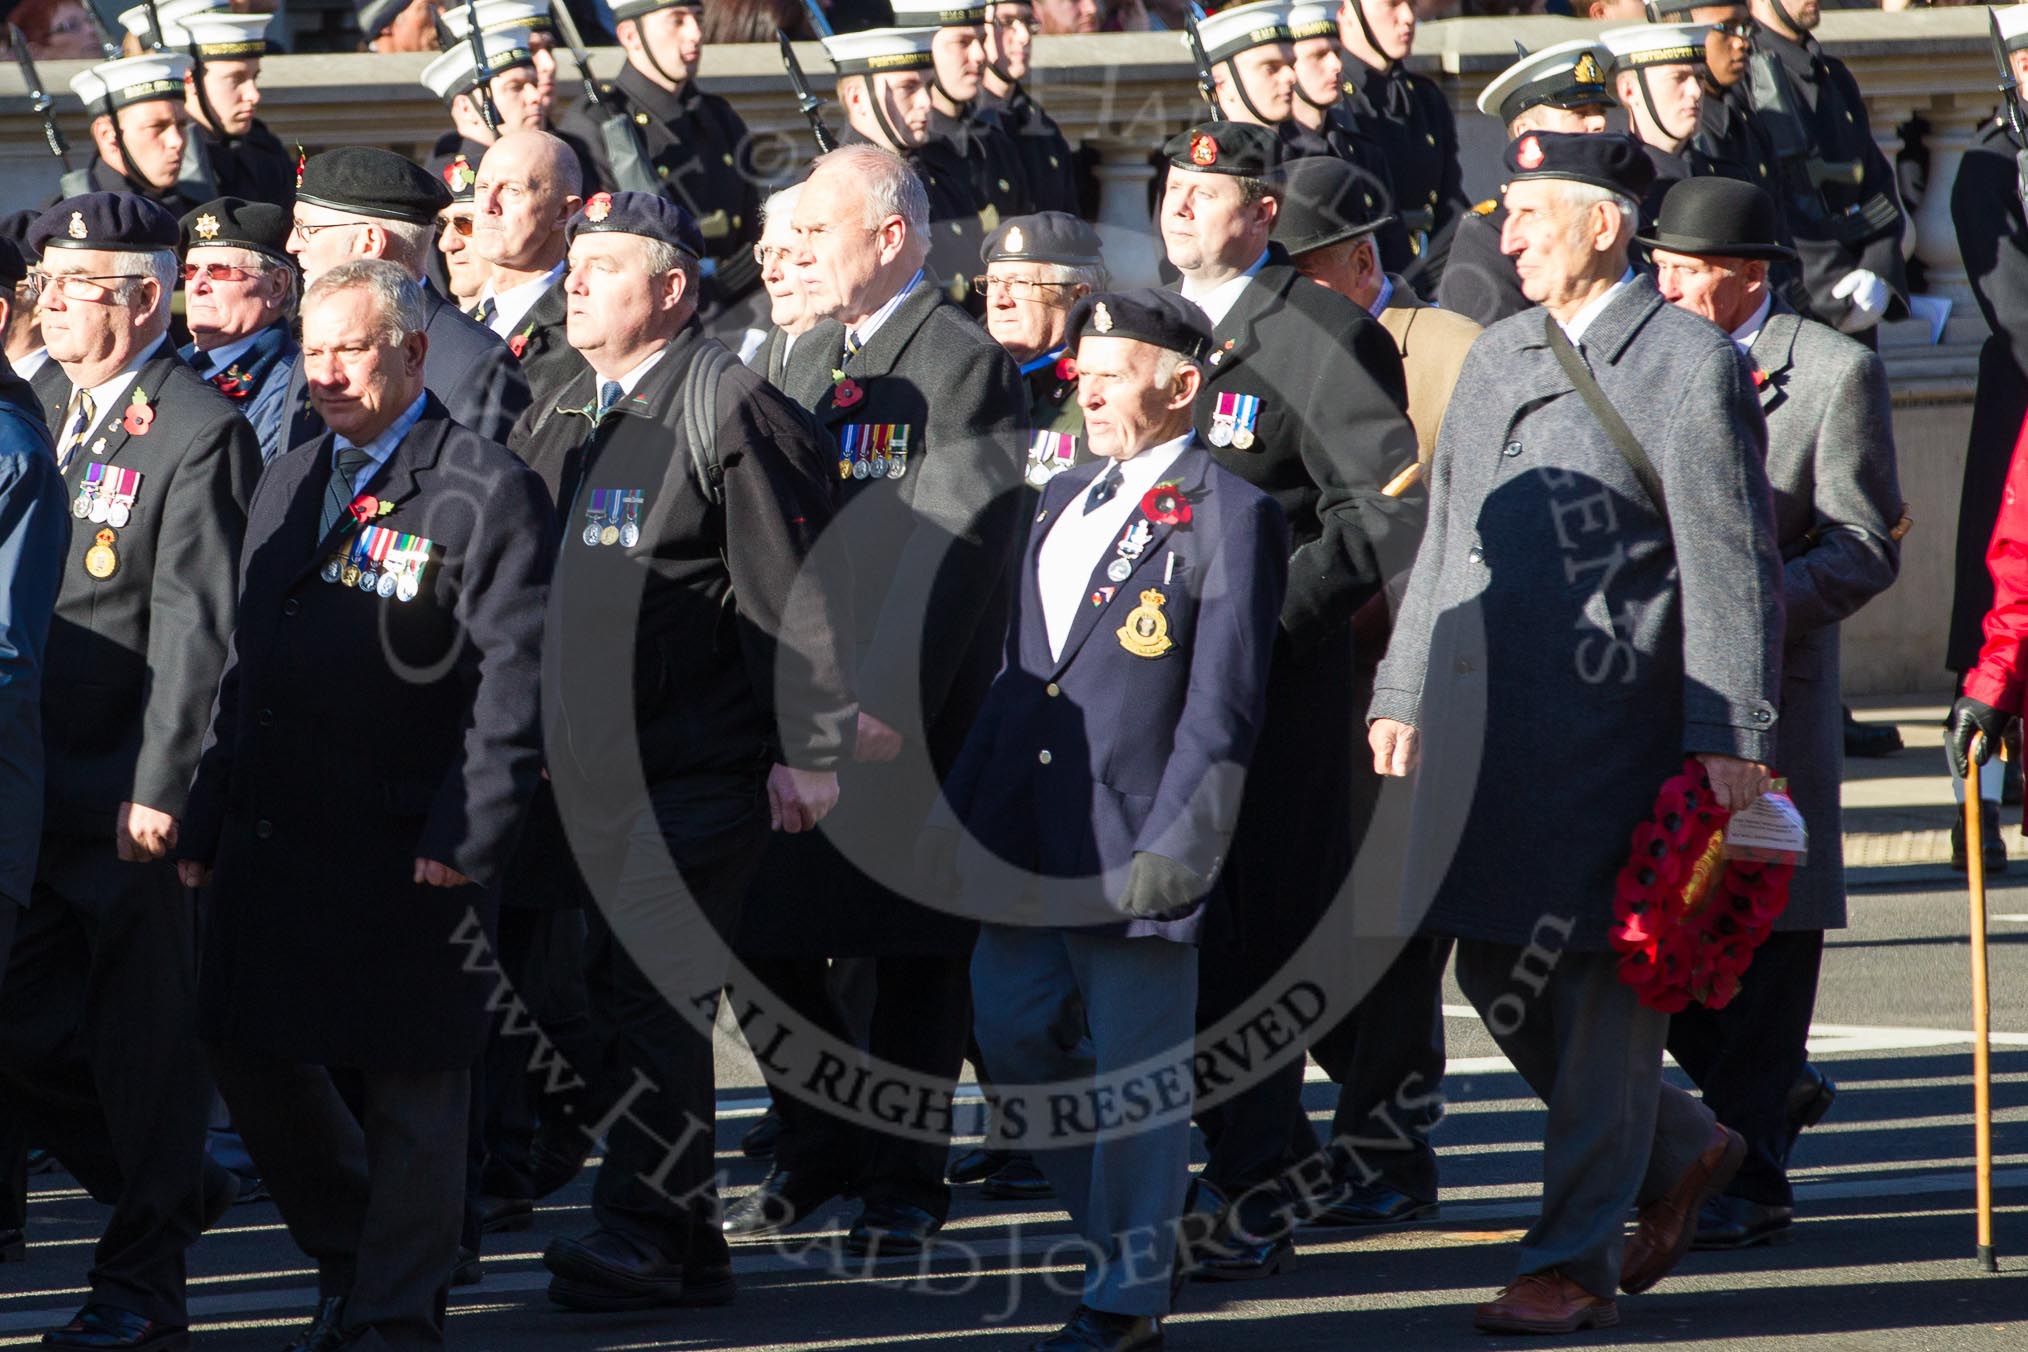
(599, 207)
(1014, 242)
(77, 225)
(1102, 318)
(1203, 149)
(1529, 153)
(1587, 71)
(207, 226)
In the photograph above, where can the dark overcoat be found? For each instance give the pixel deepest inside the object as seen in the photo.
(1045, 155)
(1562, 646)
(134, 656)
(34, 539)
(355, 733)
(542, 345)
(929, 552)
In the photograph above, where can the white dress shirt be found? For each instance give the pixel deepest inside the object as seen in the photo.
(28, 363)
(1744, 335)
(382, 446)
(106, 395)
(1581, 321)
(1217, 301)
(1080, 540)
(511, 306)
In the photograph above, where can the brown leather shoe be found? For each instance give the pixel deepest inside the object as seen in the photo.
(1669, 1223)
(1545, 1302)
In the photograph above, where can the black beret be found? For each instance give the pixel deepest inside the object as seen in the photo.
(1045, 237)
(103, 220)
(1714, 217)
(647, 214)
(1325, 200)
(13, 263)
(1224, 148)
(240, 224)
(1610, 160)
(1148, 315)
(369, 181)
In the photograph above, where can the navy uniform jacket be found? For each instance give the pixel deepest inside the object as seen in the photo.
(34, 537)
(256, 166)
(134, 656)
(1045, 154)
(700, 151)
(258, 381)
(468, 369)
(1077, 762)
(1411, 120)
(992, 161)
(354, 733)
(1479, 281)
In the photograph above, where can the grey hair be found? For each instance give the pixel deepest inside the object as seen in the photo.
(1170, 364)
(660, 256)
(407, 242)
(887, 185)
(781, 203)
(156, 263)
(1581, 197)
(398, 303)
(1092, 276)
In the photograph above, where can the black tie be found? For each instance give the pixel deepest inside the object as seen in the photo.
(1102, 491)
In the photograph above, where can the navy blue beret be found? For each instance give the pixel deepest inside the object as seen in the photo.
(1610, 160)
(647, 214)
(103, 220)
(1225, 148)
(1147, 315)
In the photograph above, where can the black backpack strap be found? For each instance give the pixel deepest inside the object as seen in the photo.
(1622, 437)
(700, 415)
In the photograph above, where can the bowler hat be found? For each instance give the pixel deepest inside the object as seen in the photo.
(1715, 217)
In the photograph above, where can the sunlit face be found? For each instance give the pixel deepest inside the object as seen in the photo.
(542, 48)
(243, 300)
(69, 37)
(837, 255)
(1010, 38)
(154, 132)
(1551, 241)
(233, 88)
(321, 239)
(1725, 291)
(465, 270)
(613, 302)
(1728, 43)
(788, 302)
(1542, 117)
(1392, 21)
(1027, 306)
(1126, 408)
(96, 326)
(960, 56)
(359, 380)
(1204, 216)
(1807, 14)
(1320, 69)
(518, 211)
(1669, 112)
(2018, 63)
(1268, 75)
(517, 98)
(672, 39)
(904, 97)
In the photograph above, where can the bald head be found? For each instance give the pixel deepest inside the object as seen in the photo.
(528, 188)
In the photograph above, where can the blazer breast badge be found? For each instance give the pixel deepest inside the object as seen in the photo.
(1146, 632)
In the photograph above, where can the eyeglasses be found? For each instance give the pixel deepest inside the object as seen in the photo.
(1743, 29)
(219, 272)
(1020, 288)
(79, 285)
(767, 254)
(461, 226)
(1033, 26)
(306, 233)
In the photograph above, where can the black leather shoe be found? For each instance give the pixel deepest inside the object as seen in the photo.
(976, 1166)
(1369, 1204)
(760, 1138)
(1870, 739)
(782, 1199)
(1092, 1330)
(469, 1271)
(221, 1191)
(13, 1246)
(497, 1215)
(1810, 1097)
(107, 1328)
(42, 1162)
(252, 1188)
(606, 1270)
(885, 1229)
(321, 1333)
(1020, 1179)
(556, 1158)
(1735, 1223)
(1232, 1259)
(1989, 831)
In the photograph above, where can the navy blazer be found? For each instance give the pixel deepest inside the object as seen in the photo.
(1077, 762)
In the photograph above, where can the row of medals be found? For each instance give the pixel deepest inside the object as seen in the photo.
(878, 466)
(1221, 435)
(626, 536)
(402, 585)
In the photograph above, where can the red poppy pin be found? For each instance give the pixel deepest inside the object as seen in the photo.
(1165, 505)
(518, 344)
(140, 417)
(846, 392)
(367, 508)
(1759, 379)
(1066, 368)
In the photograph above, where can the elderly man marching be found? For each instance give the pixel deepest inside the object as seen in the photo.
(1598, 596)
(1830, 458)
(1106, 767)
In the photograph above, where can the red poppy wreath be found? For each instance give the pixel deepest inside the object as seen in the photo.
(1686, 919)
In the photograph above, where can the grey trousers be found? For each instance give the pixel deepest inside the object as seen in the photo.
(1123, 1186)
(1617, 1135)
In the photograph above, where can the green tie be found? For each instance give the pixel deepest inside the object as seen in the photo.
(338, 493)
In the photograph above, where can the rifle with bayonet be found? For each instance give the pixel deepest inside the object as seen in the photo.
(807, 103)
(483, 91)
(41, 102)
(1207, 88)
(2010, 99)
(194, 179)
(625, 154)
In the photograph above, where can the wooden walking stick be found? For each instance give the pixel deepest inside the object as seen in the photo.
(1982, 1064)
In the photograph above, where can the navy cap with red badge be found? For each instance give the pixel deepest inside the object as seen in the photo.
(1609, 160)
(647, 214)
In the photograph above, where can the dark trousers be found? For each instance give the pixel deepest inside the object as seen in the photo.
(1746, 1057)
(13, 1140)
(375, 1198)
(920, 1021)
(1387, 1057)
(99, 1058)
(1261, 1131)
(541, 953)
(654, 979)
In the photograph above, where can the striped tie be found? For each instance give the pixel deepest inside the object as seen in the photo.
(338, 493)
(75, 426)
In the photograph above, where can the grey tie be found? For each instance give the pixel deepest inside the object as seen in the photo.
(338, 492)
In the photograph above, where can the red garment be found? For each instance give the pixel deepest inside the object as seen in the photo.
(1998, 678)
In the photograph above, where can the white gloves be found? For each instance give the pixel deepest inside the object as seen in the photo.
(1869, 296)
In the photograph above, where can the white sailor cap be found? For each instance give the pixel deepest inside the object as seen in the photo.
(456, 71)
(1312, 20)
(1655, 44)
(877, 51)
(221, 36)
(1567, 75)
(131, 79)
(1243, 27)
(500, 16)
(171, 13)
(940, 13)
(2013, 21)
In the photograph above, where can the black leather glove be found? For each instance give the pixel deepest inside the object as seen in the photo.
(936, 861)
(1157, 886)
(1970, 719)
